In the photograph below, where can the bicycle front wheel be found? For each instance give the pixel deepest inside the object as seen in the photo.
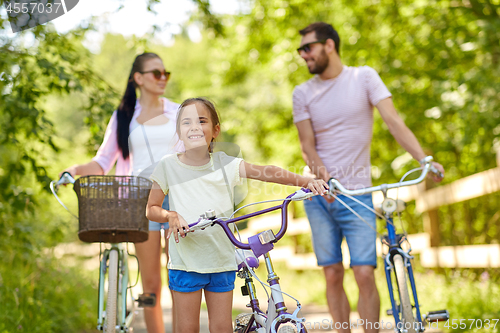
(290, 327)
(407, 320)
(111, 304)
(244, 323)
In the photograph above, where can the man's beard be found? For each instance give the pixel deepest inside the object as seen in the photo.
(320, 64)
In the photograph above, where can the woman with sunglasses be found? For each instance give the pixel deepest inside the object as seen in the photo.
(139, 133)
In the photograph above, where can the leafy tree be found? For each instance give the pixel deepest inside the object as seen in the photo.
(55, 64)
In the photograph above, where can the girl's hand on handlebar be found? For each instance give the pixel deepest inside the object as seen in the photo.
(177, 225)
(318, 187)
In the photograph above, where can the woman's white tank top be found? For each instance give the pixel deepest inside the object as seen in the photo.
(148, 144)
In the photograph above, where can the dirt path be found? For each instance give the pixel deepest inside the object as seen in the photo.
(318, 318)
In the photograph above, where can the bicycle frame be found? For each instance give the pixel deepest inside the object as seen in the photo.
(276, 310)
(262, 244)
(395, 247)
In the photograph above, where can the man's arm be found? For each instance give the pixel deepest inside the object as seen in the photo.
(309, 153)
(403, 135)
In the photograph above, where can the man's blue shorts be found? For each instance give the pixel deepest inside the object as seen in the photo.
(331, 222)
(187, 282)
(155, 226)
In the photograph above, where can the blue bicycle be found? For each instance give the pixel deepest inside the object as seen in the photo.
(397, 262)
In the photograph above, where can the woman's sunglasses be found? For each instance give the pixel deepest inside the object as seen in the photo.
(307, 47)
(158, 74)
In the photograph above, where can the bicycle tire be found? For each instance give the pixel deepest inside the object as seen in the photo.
(241, 322)
(287, 328)
(290, 328)
(111, 304)
(406, 309)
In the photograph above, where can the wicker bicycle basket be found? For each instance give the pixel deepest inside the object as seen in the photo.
(112, 209)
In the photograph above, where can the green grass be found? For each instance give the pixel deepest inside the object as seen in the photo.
(42, 296)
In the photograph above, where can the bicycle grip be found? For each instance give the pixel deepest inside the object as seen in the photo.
(302, 194)
(200, 224)
(66, 178)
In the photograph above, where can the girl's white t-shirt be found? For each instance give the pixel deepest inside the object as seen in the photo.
(192, 191)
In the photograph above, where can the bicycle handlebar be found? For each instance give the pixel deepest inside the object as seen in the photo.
(335, 185)
(205, 222)
(66, 178)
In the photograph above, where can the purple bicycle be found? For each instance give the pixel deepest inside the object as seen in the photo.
(276, 319)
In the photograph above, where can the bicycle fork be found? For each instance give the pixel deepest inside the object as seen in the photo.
(389, 268)
(395, 248)
(276, 313)
(258, 320)
(123, 320)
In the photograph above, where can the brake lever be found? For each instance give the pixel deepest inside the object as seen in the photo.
(435, 171)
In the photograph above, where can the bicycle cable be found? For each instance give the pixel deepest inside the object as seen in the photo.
(250, 204)
(138, 268)
(62, 204)
(355, 213)
(244, 259)
(397, 198)
(256, 203)
(264, 285)
(371, 209)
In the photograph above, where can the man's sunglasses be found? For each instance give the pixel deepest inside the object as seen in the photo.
(157, 73)
(307, 47)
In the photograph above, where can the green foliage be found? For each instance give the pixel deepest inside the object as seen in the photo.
(38, 294)
(41, 296)
(438, 58)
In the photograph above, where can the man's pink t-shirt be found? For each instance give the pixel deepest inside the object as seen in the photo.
(341, 113)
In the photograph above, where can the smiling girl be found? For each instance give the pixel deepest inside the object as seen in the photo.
(198, 180)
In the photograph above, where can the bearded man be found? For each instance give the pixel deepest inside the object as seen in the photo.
(333, 112)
